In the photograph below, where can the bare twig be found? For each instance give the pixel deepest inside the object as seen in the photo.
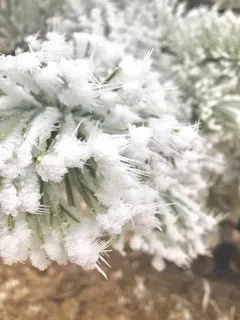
(206, 296)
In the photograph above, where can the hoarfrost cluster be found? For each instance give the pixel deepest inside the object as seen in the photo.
(197, 51)
(85, 118)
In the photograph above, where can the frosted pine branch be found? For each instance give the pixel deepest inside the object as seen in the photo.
(85, 117)
(196, 50)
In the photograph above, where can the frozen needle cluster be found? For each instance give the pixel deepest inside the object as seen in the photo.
(198, 51)
(83, 119)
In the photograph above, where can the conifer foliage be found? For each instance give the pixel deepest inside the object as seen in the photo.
(87, 115)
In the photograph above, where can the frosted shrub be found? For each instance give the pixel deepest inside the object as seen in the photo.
(84, 118)
(195, 51)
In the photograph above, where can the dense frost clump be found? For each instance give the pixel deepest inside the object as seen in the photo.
(83, 117)
(195, 51)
